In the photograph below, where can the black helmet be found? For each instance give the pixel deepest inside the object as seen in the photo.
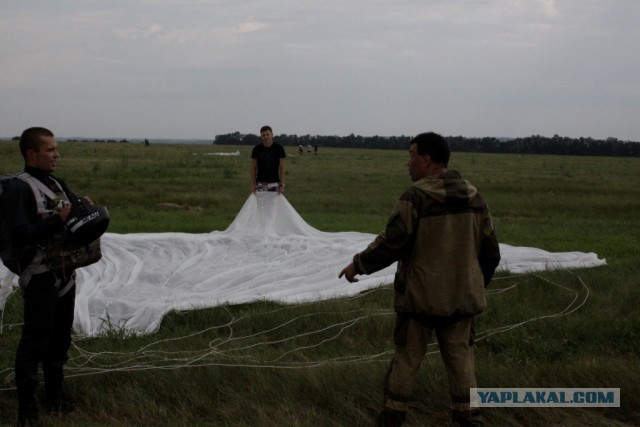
(86, 222)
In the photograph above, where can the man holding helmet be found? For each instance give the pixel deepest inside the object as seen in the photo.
(32, 222)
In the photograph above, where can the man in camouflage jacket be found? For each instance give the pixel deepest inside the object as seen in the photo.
(441, 234)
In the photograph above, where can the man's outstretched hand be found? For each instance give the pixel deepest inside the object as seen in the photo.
(349, 272)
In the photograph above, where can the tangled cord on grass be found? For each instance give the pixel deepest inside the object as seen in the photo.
(239, 350)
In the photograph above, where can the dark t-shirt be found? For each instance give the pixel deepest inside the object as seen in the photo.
(268, 161)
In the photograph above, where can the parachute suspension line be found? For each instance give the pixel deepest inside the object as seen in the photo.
(565, 312)
(222, 352)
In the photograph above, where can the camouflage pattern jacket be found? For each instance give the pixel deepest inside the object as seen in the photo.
(442, 236)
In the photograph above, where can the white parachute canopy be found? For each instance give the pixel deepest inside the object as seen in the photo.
(268, 253)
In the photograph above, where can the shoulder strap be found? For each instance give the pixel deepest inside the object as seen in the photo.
(39, 189)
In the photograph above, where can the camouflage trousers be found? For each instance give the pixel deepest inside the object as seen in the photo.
(454, 338)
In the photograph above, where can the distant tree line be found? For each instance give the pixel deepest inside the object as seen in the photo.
(535, 144)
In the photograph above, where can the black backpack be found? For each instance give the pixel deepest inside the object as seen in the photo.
(9, 258)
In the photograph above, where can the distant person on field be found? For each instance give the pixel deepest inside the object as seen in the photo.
(49, 296)
(441, 234)
(315, 149)
(267, 164)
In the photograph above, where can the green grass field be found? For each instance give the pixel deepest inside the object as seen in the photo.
(322, 364)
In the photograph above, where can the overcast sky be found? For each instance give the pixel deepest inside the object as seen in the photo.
(197, 68)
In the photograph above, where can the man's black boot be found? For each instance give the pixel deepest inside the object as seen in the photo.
(56, 400)
(390, 418)
(60, 404)
(471, 418)
(27, 404)
(28, 414)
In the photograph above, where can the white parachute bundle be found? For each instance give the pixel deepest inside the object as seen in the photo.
(268, 253)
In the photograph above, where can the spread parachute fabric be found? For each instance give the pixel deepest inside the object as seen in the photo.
(267, 253)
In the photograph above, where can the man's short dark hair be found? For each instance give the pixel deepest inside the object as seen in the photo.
(266, 128)
(30, 139)
(434, 145)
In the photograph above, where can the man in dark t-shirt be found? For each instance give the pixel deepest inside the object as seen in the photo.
(267, 164)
